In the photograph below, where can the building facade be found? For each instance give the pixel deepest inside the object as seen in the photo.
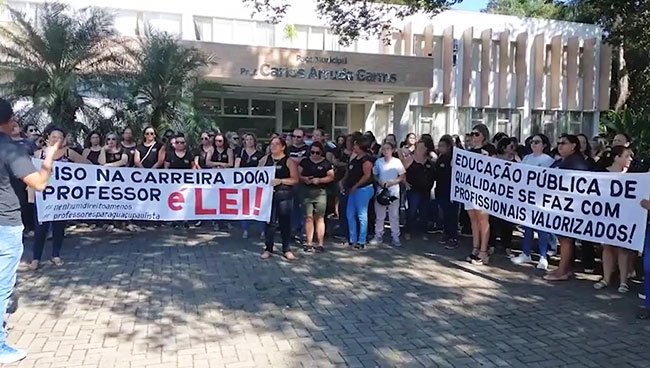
(439, 75)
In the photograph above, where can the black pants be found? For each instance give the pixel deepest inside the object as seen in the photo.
(58, 228)
(280, 216)
(502, 229)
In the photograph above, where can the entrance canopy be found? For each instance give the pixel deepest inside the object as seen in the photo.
(317, 73)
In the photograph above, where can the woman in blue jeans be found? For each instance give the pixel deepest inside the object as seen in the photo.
(357, 183)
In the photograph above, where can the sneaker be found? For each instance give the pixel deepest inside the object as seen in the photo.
(589, 271)
(375, 242)
(521, 259)
(244, 234)
(510, 253)
(642, 296)
(10, 354)
(451, 244)
(542, 264)
(551, 253)
(359, 246)
(308, 248)
(396, 243)
(434, 230)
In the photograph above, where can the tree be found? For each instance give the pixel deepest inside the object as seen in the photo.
(526, 8)
(163, 87)
(61, 63)
(355, 19)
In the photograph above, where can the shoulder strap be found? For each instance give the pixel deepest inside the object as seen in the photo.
(148, 152)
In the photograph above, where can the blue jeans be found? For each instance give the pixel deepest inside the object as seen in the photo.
(418, 211)
(250, 224)
(40, 235)
(357, 210)
(11, 249)
(542, 242)
(449, 217)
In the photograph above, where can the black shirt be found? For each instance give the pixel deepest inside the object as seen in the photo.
(343, 157)
(443, 176)
(298, 152)
(220, 156)
(149, 154)
(489, 148)
(176, 162)
(421, 176)
(281, 171)
(130, 153)
(203, 157)
(355, 172)
(114, 157)
(93, 157)
(573, 162)
(14, 163)
(247, 160)
(311, 169)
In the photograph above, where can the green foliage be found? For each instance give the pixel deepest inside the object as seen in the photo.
(526, 8)
(162, 89)
(58, 63)
(634, 123)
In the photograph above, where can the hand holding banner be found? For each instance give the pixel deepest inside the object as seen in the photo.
(599, 207)
(88, 192)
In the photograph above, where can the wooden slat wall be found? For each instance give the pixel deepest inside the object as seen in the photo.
(573, 48)
(504, 62)
(486, 67)
(539, 53)
(467, 65)
(447, 63)
(556, 72)
(428, 41)
(588, 70)
(521, 68)
(408, 39)
(605, 77)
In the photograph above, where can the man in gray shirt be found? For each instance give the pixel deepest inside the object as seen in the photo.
(15, 162)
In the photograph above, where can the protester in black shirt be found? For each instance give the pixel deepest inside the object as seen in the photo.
(204, 151)
(315, 173)
(286, 176)
(249, 156)
(479, 219)
(357, 183)
(149, 154)
(588, 248)
(113, 154)
(297, 152)
(568, 147)
(420, 175)
(181, 157)
(222, 156)
(93, 144)
(14, 163)
(374, 146)
(129, 145)
(449, 209)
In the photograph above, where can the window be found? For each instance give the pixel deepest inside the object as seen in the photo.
(210, 106)
(264, 34)
(222, 30)
(243, 32)
(418, 45)
(325, 117)
(555, 123)
(497, 120)
(513, 57)
(316, 39)
(163, 22)
(263, 108)
(126, 22)
(203, 29)
(233, 106)
(341, 115)
(290, 115)
(307, 114)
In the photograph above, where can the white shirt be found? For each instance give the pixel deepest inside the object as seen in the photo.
(390, 170)
(542, 160)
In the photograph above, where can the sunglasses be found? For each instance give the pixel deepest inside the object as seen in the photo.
(180, 142)
(205, 138)
(297, 136)
(317, 153)
(475, 134)
(536, 141)
(235, 138)
(562, 143)
(219, 140)
(149, 133)
(110, 139)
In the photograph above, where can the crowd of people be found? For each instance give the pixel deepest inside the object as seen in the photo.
(350, 188)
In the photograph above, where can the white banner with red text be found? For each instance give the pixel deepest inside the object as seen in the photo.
(89, 192)
(598, 207)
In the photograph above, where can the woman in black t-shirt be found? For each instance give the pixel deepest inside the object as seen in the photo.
(93, 145)
(357, 183)
(248, 156)
(420, 176)
(315, 173)
(113, 154)
(222, 156)
(480, 219)
(286, 176)
(149, 154)
(180, 158)
(204, 151)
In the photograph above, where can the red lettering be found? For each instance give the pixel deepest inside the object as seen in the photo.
(199, 210)
(246, 208)
(174, 199)
(227, 206)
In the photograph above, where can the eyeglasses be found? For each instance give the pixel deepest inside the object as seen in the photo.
(297, 136)
(475, 134)
(180, 142)
(560, 143)
(149, 133)
(536, 141)
(317, 153)
(205, 138)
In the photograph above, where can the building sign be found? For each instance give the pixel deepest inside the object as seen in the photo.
(301, 59)
(344, 74)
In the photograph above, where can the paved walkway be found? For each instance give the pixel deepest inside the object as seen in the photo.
(167, 298)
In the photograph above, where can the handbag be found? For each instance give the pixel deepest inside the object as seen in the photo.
(385, 198)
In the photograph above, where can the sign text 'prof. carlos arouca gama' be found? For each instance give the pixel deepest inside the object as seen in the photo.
(344, 74)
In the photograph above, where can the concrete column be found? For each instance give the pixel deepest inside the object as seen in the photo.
(401, 114)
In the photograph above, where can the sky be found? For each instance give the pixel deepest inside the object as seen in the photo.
(474, 5)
